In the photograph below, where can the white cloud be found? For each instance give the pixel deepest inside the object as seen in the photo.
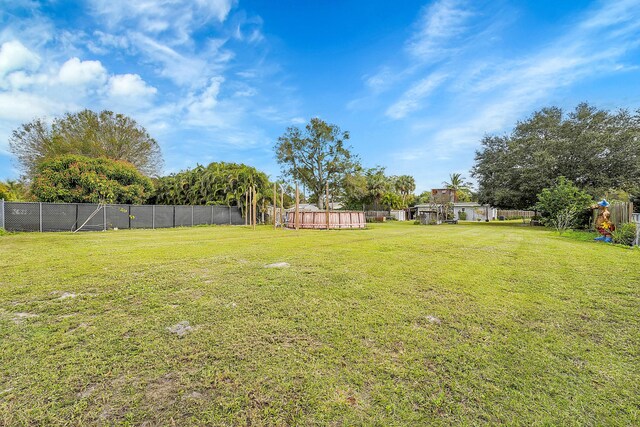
(614, 13)
(15, 56)
(512, 88)
(439, 31)
(412, 99)
(75, 72)
(439, 24)
(19, 80)
(102, 43)
(180, 17)
(183, 70)
(129, 86)
(16, 107)
(248, 29)
(201, 107)
(245, 92)
(487, 94)
(209, 98)
(182, 48)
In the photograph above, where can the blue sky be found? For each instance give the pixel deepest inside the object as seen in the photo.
(417, 83)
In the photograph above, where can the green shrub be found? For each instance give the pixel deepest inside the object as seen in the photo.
(562, 205)
(4, 191)
(625, 234)
(14, 191)
(78, 179)
(2, 231)
(462, 216)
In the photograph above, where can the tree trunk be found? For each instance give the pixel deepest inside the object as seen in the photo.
(320, 194)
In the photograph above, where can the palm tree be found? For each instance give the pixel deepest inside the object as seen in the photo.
(377, 184)
(405, 185)
(457, 183)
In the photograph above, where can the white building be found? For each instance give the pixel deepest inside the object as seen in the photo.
(471, 211)
(474, 211)
(400, 215)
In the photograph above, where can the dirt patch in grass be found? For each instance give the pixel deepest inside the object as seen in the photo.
(163, 390)
(181, 328)
(88, 391)
(278, 265)
(20, 317)
(433, 319)
(66, 295)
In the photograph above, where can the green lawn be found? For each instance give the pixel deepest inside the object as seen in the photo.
(394, 325)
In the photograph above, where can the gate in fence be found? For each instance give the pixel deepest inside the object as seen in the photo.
(36, 216)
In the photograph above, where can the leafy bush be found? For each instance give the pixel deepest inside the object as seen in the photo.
(462, 216)
(220, 183)
(562, 204)
(392, 201)
(4, 191)
(625, 234)
(13, 191)
(78, 179)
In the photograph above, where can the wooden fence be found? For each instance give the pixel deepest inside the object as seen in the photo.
(515, 213)
(377, 214)
(621, 213)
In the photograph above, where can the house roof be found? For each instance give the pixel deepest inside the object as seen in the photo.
(456, 205)
(468, 205)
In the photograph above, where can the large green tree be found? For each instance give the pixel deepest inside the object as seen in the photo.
(86, 133)
(315, 156)
(79, 179)
(595, 149)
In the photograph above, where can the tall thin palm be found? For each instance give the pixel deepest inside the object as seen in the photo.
(457, 182)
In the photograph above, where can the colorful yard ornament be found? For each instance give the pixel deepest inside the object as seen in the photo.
(603, 224)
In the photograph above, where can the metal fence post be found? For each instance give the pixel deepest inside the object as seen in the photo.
(40, 216)
(211, 214)
(104, 217)
(229, 214)
(129, 215)
(192, 215)
(153, 217)
(174, 216)
(2, 213)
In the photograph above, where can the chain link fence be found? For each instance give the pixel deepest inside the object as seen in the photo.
(35, 216)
